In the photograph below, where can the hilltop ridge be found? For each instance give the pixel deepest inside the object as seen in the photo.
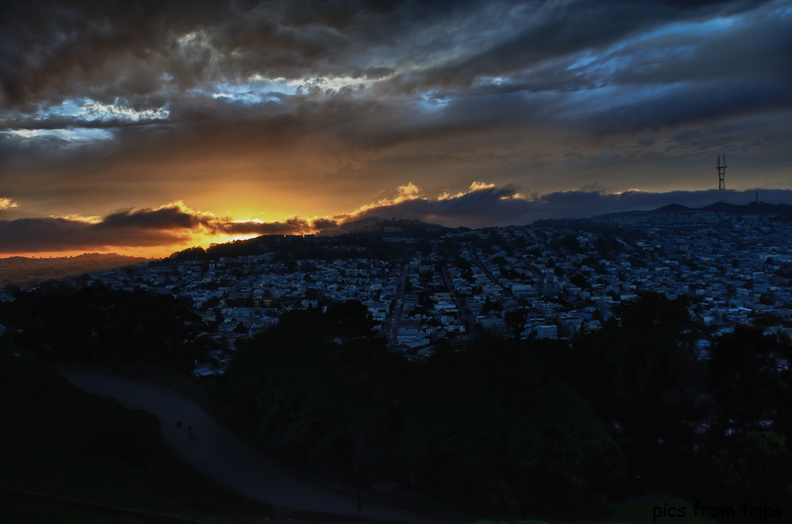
(752, 208)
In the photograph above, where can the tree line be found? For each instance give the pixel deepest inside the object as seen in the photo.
(553, 428)
(97, 323)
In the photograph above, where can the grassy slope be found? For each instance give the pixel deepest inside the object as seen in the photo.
(59, 441)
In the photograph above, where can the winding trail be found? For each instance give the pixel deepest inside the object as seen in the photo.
(220, 455)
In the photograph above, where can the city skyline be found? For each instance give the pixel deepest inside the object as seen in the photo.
(144, 127)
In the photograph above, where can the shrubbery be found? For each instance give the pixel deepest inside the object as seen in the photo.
(526, 427)
(98, 323)
(491, 424)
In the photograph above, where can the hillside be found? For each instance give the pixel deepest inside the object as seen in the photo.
(753, 208)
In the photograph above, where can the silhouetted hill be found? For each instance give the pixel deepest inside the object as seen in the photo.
(25, 270)
(350, 227)
(753, 208)
(672, 208)
(373, 234)
(399, 226)
(669, 209)
(384, 226)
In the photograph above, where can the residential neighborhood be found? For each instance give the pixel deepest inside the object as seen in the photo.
(424, 284)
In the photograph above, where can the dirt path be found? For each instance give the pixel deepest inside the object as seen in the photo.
(219, 454)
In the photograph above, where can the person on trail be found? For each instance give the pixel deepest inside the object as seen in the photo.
(189, 432)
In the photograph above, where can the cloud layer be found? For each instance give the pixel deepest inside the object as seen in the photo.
(276, 109)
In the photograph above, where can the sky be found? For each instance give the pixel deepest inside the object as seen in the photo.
(144, 127)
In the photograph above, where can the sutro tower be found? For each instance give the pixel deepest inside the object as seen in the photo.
(721, 167)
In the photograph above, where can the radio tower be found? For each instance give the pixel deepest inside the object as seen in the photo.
(721, 173)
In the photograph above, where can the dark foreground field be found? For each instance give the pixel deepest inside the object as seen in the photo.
(72, 457)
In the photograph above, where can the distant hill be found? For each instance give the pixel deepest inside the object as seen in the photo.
(350, 227)
(400, 226)
(754, 208)
(25, 270)
(383, 225)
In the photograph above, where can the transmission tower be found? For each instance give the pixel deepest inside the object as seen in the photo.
(721, 167)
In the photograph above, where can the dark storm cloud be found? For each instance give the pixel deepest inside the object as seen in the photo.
(702, 103)
(179, 217)
(107, 49)
(61, 234)
(64, 122)
(746, 70)
(557, 29)
(165, 218)
(756, 44)
(110, 48)
(61, 49)
(144, 227)
(294, 226)
(325, 224)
